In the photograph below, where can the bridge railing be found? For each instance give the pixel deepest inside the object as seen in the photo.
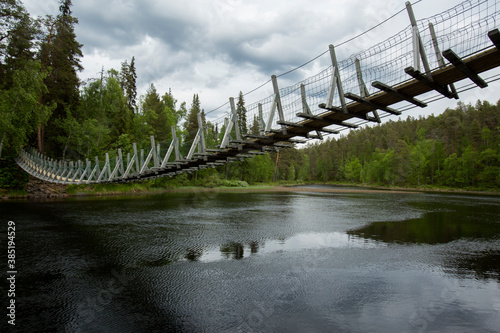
(140, 165)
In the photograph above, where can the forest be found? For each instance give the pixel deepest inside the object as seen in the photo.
(460, 148)
(44, 104)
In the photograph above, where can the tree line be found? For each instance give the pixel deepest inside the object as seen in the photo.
(458, 148)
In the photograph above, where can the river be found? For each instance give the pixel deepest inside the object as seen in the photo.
(257, 262)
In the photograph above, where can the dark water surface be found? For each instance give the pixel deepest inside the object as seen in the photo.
(257, 262)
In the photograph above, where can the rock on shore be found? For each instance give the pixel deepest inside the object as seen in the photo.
(39, 189)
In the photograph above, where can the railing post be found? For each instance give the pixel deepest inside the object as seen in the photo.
(262, 124)
(170, 149)
(336, 83)
(229, 126)
(153, 150)
(439, 56)
(203, 149)
(136, 158)
(363, 91)
(120, 156)
(158, 157)
(235, 120)
(98, 167)
(278, 102)
(418, 46)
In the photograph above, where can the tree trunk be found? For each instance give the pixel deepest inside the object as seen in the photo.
(1, 144)
(40, 138)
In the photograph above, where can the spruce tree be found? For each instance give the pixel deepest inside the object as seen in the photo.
(241, 111)
(128, 82)
(191, 124)
(19, 47)
(61, 53)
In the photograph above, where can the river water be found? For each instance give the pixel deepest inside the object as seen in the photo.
(257, 262)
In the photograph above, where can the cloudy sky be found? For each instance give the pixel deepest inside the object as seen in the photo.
(218, 48)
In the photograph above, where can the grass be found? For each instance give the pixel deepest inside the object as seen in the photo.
(16, 193)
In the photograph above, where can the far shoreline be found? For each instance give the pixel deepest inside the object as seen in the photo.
(329, 188)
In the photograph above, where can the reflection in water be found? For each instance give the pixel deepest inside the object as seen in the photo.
(431, 228)
(441, 228)
(235, 250)
(485, 265)
(194, 254)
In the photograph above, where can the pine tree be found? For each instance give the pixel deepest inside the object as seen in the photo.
(11, 11)
(155, 114)
(241, 111)
(191, 124)
(19, 46)
(61, 52)
(255, 126)
(128, 81)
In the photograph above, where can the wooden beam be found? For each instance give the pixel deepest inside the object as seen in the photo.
(363, 116)
(307, 127)
(431, 84)
(326, 121)
(458, 63)
(494, 36)
(390, 90)
(373, 104)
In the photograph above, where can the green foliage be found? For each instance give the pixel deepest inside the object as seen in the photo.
(20, 110)
(352, 170)
(259, 169)
(61, 52)
(11, 176)
(459, 148)
(159, 114)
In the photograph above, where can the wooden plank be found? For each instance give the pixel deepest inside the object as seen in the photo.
(458, 63)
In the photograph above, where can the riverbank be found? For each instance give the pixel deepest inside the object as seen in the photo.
(38, 189)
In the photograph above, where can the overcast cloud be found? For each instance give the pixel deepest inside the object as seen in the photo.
(218, 48)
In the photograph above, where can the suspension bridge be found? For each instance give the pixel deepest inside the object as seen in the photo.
(433, 58)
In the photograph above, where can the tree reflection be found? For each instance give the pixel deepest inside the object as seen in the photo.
(233, 250)
(254, 247)
(431, 228)
(193, 254)
(484, 265)
(440, 228)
